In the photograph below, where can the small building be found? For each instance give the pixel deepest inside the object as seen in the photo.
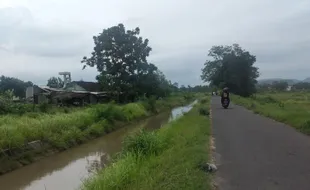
(289, 88)
(37, 94)
(83, 86)
(76, 92)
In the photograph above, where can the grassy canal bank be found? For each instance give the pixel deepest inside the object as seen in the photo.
(169, 158)
(56, 132)
(291, 108)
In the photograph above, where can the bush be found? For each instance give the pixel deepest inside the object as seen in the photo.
(150, 104)
(188, 97)
(132, 111)
(109, 112)
(204, 111)
(305, 127)
(63, 130)
(97, 129)
(204, 100)
(44, 107)
(143, 143)
(267, 100)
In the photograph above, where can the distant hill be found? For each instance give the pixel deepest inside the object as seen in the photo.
(306, 80)
(289, 81)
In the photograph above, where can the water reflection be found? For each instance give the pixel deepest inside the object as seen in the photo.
(179, 112)
(99, 161)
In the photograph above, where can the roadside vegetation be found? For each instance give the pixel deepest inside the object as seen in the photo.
(288, 107)
(63, 130)
(169, 158)
(134, 89)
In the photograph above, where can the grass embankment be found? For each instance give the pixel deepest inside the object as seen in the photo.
(288, 107)
(61, 131)
(169, 158)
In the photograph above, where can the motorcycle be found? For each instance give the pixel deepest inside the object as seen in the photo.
(226, 101)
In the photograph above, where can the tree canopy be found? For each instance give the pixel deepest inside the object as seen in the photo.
(233, 67)
(120, 57)
(17, 86)
(55, 82)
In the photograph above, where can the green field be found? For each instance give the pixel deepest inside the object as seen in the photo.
(292, 108)
(63, 130)
(169, 158)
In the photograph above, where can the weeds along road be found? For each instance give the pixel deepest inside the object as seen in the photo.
(256, 153)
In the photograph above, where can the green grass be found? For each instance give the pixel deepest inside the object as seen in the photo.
(165, 159)
(292, 108)
(63, 130)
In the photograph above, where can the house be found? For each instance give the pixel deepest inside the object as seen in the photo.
(40, 94)
(81, 92)
(76, 92)
(289, 88)
(83, 86)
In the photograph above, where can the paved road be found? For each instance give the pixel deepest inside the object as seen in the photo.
(257, 153)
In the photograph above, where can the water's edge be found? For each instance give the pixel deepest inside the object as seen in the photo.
(66, 170)
(11, 160)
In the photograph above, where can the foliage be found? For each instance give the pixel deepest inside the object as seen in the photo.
(55, 82)
(204, 111)
(144, 143)
(204, 100)
(279, 85)
(301, 86)
(121, 59)
(166, 159)
(150, 104)
(197, 88)
(231, 66)
(44, 107)
(287, 107)
(67, 128)
(276, 85)
(18, 86)
(8, 106)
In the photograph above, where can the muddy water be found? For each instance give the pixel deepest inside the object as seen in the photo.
(67, 170)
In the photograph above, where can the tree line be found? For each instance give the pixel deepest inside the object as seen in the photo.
(11, 86)
(283, 86)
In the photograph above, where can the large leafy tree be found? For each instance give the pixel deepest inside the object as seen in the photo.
(120, 56)
(55, 82)
(233, 67)
(17, 86)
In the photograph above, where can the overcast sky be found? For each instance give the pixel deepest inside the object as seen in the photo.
(40, 38)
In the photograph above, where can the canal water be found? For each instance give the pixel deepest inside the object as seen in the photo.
(68, 169)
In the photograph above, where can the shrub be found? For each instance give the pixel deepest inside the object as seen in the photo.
(133, 110)
(204, 111)
(305, 127)
(66, 110)
(267, 100)
(204, 100)
(151, 104)
(188, 97)
(109, 112)
(44, 107)
(97, 129)
(143, 143)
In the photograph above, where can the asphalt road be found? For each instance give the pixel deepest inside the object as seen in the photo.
(257, 153)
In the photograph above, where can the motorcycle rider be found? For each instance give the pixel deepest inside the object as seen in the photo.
(225, 90)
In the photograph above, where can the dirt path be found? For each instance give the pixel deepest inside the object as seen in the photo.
(257, 153)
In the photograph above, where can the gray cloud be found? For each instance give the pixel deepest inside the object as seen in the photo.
(21, 33)
(35, 40)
